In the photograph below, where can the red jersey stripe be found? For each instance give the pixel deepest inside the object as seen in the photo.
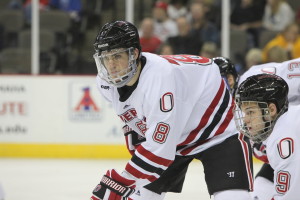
(220, 130)
(152, 157)
(247, 161)
(188, 150)
(205, 117)
(226, 121)
(136, 173)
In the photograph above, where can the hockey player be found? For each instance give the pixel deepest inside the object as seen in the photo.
(262, 114)
(228, 72)
(181, 106)
(290, 72)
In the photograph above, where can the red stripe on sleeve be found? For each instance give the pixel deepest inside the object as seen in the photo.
(206, 116)
(152, 157)
(136, 173)
(226, 121)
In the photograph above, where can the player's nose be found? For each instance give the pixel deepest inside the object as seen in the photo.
(246, 120)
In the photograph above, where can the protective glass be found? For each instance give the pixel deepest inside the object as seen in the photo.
(117, 66)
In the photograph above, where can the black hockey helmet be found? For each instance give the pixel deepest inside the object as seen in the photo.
(264, 88)
(113, 39)
(261, 89)
(227, 67)
(117, 34)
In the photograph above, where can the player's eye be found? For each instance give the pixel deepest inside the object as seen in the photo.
(106, 58)
(117, 56)
(250, 112)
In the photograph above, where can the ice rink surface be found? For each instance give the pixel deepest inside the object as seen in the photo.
(72, 179)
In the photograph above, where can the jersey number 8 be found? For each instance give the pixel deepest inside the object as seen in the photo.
(161, 132)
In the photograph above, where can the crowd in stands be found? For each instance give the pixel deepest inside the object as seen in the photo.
(270, 28)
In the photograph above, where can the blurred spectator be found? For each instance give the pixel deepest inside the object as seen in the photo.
(185, 42)
(288, 39)
(277, 54)
(277, 15)
(209, 50)
(201, 27)
(73, 7)
(253, 57)
(164, 27)
(177, 8)
(298, 16)
(247, 16)
(43, 3)
(149, 41)
(96, 12)
(213, 11)
(15, 4)
(165, 49)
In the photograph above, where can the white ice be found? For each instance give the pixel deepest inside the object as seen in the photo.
(74, 179)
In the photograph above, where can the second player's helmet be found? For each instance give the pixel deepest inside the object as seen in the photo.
(116, 37)
(263, 89)
(227, 67)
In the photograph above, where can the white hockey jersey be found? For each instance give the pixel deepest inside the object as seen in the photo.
(181, 105)
(288, 70)
(283, 141)
(283, 150)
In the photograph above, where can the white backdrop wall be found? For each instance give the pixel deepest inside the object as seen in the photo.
(55, 110)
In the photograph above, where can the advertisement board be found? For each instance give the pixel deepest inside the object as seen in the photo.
(56, 114)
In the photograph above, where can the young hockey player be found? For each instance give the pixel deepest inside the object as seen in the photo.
(290, 72)
(262, 114)
(181, 106)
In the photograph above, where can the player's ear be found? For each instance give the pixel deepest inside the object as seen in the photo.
(273, 110)
(136, 53)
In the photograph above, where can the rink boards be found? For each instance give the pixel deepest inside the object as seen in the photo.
(57, 116)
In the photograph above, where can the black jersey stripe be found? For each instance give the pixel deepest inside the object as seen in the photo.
(217, 118)
(204, 136)
(205, 118)
(146, 166)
